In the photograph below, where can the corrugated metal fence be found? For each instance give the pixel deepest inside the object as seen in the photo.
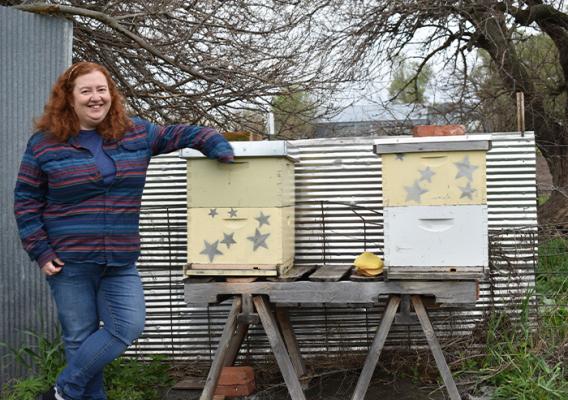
(34, 50)
(338, 215)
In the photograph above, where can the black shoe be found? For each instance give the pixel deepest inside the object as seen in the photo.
(49, 395)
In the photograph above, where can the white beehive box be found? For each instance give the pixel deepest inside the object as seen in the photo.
(435, 206)
(241, 215)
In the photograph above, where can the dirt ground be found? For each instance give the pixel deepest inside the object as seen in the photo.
(340, 386)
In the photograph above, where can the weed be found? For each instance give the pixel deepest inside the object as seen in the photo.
(125, 378)
(130, 379)
(525, 359)
(44, 361)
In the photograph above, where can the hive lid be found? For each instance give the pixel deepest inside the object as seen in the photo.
(272, 148)
(406, 144)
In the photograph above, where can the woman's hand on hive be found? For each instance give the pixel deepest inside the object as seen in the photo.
(224, 152)
(52, 267)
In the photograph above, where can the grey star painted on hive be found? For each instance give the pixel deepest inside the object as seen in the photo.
(414, 192)
(400, 156)
(426, 174)
(211, 250)
(232, 213)
(465, 169)
(258, 240)
(467, 191)
(213, 212)
(228, 239)
(262, 219)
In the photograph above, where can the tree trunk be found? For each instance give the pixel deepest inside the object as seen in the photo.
(551, 136)
(555, 210)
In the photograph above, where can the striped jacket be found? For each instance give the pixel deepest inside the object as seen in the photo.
(63, 209)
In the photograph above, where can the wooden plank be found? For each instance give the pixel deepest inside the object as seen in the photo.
(439, 276)
(435, 348)
(330, 273)
(436, 268)
(404, 316)
(293, 274)
(376, 348)
(248, 316)
(241, 279)
(279, 348)
(290, 340)
(232, 266)
(229, 272)
(224, 343)
(470, 145)
(436, 272)
(362, 278)
(454, 292)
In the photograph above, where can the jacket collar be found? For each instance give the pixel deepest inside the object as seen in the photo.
(74, 141)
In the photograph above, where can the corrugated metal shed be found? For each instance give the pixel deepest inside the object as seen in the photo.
(338, 215)
(34, 50)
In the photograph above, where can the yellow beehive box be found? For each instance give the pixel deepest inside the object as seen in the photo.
(240, 239)
(241, 215)
(249, 182)
(434, 171)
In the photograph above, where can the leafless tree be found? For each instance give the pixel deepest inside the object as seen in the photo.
(196, 60)
(448, 32)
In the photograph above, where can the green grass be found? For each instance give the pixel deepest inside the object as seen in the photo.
(125, 378)
(524, 358)
(552, 274)
(43, 361)
(520, 364)
(130, 379)
(552, 288)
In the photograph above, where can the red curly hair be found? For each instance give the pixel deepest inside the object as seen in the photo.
(59, 118)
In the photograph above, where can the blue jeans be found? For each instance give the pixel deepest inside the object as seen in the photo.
(86, 295)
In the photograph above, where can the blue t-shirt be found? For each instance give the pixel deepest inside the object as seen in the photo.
(94, 142)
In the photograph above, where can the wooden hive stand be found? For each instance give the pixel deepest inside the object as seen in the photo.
(267, 303)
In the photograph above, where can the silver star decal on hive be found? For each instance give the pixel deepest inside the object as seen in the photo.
(262, 219)
(465, 169)
(213, 212)
(211, 250)
(467, 191)
(258, 240)
(414, 192)
(400, 156)
(232, 213)
(228, 239)
(426, 174)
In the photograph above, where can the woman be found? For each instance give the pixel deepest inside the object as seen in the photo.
(77, 203)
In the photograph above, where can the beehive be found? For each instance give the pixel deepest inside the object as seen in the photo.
(435, 206)
(241, 215)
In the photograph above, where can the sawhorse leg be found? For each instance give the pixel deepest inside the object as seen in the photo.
(232, 337)
(435, 348)
(376, 348)
(291, 343)
(379, 341)
(226, 342)
(279, 348)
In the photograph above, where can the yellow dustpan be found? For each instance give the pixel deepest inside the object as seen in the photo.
(368, 264)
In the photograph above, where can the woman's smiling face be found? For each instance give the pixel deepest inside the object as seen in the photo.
(91, 99)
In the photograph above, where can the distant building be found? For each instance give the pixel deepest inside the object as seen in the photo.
(373, 120)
